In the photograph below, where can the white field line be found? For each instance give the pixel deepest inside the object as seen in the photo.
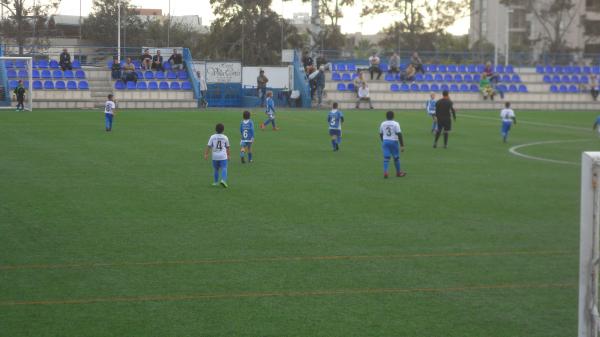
(569, 127)
(513, 150)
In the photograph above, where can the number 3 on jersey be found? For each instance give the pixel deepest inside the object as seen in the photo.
(388, 131)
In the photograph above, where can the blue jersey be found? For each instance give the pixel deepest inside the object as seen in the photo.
(247, 130)
(430, 106)
(598, 120)
(270, 104)
(335, 119)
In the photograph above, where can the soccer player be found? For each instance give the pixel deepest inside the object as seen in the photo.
(247, 132)
(430, 108)
(109, 112)
(392, 144)
(270, 111)
(508, 118)
(443, 108)
(20, 95)
(597, 125)
(335, 118)
(219, 145)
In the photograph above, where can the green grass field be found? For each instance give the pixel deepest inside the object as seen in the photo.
(121, 234)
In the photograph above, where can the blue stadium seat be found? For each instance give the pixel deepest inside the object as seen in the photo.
(476, 78)
(566, 79)
(428, 77)
(83, 85)
(563, 88)
(57, 74)
(502, 87)
(454, 87)
(584, 79)
(351, 67)
(149, 75)
(167, 65)
(425, 87)
(60, 85)
(153, 86)
(12, 84)
(171, 75)
(346, 77)
(20, 64)
(341, 67)
(438, 78)
(141, 85)
(575, 79)
(573, 89)
(576, 70)
(435, 87)
(119, 85)
(468, 78)
(474, 88)
(480, 68)
(8, 63)
(464, 87)
(136, 64)
(53, 64)
(558, 69)
(389, 77)
(554, 88)
(68, 74)
(506, 78)
(11, 73)
(419, 77)
(23, 73)
(354, 75)
(42, 64)
(140, 74)
(404, 87)
(499, 68)
(186, 85)
(596, 70)
(336, 77)
(442, 68)
(26, 84)
(462, 68)
(415, 87)
(547, 79)
(444, 87)
(175, 86)
(512, 88)
(163, 85)
(432, 68)
(539, 69)
(472, 68)
(549, 70)
(131, 85)
(509, 69)
(516, 78)
(46, 73)
(72, 85)
(458, 78)
(395, 87)
(452, 68)
(79, 74)
(568, 69)
(35, 73)
(48, 85)
(350, 87)
(37, 85)
(556, 79)
(587, 70)
(522, 88)
(159, 75)
(384, 67)
(76, 65)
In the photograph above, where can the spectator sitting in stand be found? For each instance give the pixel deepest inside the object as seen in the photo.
(486, 88)
(594, 86)
(176, 60)
(146, 60)
(115, 69)
(157, 62)
(65, 60)
(488, 71)
(416, 62)
(409, 74)
(394, 63)
(374, 65)
(129, 72)
(363, 96)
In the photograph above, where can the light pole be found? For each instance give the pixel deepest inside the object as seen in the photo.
(119, 30)
(169, 26)
(508, 12)
(496, 41)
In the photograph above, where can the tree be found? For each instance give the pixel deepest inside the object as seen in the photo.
(26, 18)
(330, 37)
(555, 18)
(250, 31)
(363, 49)
(101, 25)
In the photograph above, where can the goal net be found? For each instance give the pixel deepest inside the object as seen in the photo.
(589, 246)
(13, 70)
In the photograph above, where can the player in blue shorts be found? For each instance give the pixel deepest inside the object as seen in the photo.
(508, 119)
(335, 118)
(270, 111)
(247, 135)
(430, 108)
(219, 145)
(392, 144)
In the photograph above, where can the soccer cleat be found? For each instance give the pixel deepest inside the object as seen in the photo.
(385, 176)
(250, 161)
(275, 129)
(215, 184)
(400, 174)
(224, 184)
(243, 160)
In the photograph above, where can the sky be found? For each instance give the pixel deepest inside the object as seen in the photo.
(351, 23)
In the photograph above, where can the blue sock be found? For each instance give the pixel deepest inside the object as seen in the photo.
(434, 126)
(397, 164)
(224, 173)
(267, 122)
(333, 144)
(250, 156)
(241, 154)
(386, 164)
(216, 175)
(273, 122)
(339, 139)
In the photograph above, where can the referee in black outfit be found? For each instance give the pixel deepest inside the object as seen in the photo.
(443, 108)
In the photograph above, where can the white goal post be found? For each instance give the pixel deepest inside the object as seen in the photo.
(28, 103)
(589, 246)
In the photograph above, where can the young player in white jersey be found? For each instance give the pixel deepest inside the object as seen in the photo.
(109, 112)
(335, 118)
(508, 119)
(430, 108)
(218, 144)
(392, 144)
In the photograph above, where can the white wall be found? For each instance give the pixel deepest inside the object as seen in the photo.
(279, 77)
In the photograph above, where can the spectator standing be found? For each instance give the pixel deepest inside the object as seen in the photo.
(203, 90)
(374, 65)
(416, 62)
(363, 96)
(146, 60)
(115, 69)
(261, 86)
(394, 63)
(65, 60)
(594, 86)
(320, 81)
(157, 62)
(176, 60)
(307, 61)
(129, 72)
(321, 61)
(358, 81)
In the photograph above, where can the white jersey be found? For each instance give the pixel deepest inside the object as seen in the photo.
(219, 144)
(109, 107)
(390, 130)
(507, 115)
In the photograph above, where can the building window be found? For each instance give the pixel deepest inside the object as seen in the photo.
(591, 28)
(592, 5)
(518, 19)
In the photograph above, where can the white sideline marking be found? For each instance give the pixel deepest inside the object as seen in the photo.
(578, 128)
(513, 150)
